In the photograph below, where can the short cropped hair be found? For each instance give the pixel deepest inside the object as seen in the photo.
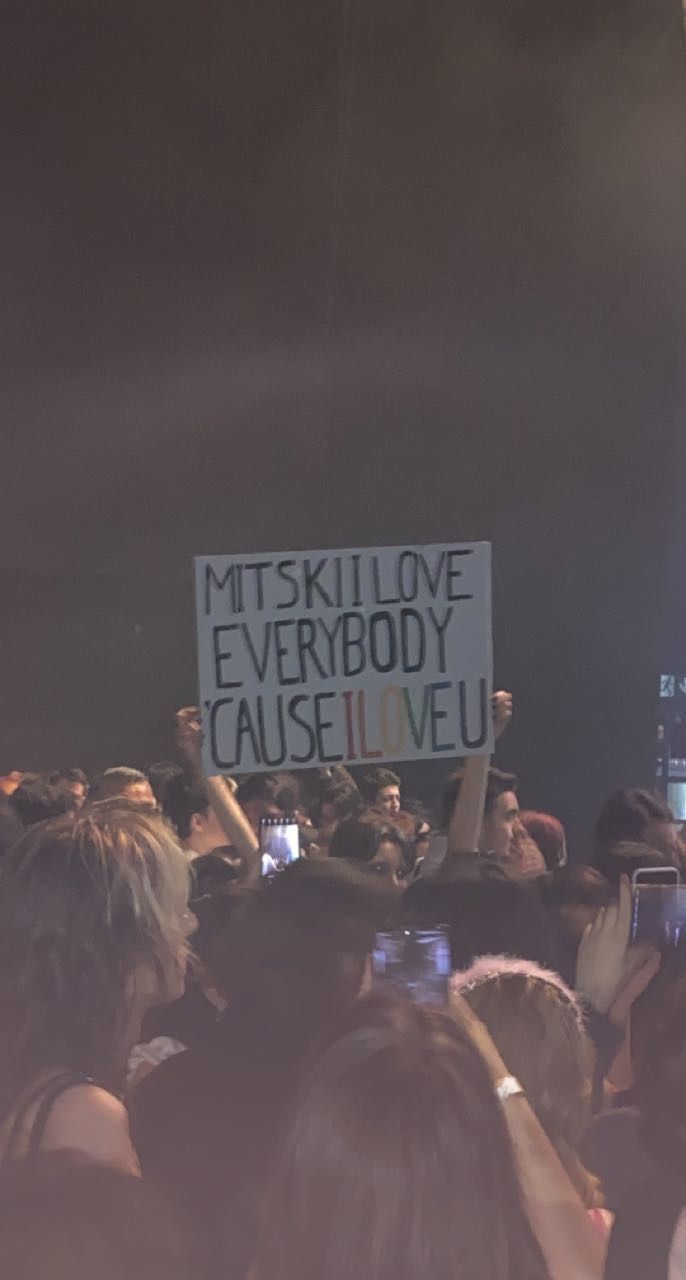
(113, 782)
(498, 783)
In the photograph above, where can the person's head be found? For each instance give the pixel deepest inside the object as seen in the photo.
(186, 803)
(501, 812)
(625, 857)
(576, 893)
(637, 816)
(537, 1024)
(381, 789)
(268, 795)
(36, 800)
(376, 844)
(397, 1162)
(9, 781)
(93, 926)
(487, 912)
(336, 802)
(297, 952)
(64, 1216)
(73, 781)
(658, 1052)
(130, 784)
(549, 834)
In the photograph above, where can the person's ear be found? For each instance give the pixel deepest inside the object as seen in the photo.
(196, 822)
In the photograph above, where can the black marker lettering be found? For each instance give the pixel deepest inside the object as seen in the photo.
(441, 628)
(331, 637)
(260, 667)
(258, 569)
(282, 568)
(453, 574)
(353, 643)
(436, 715)
(474, 741)
(302, 724)
(376, 579)
(307, 633)
(357, 598)
(408, 575)
(244, 725)
(320, 725)
(282, 651)
(273, 760)
(222, 655)
(377, 622)
(313, 584)
(432, 582)
(407, 617)
(211, 580)
(220, 763)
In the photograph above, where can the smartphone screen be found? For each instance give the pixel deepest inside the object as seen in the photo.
(279, 844)
(655, 875)
(659, 914)
(415, 961)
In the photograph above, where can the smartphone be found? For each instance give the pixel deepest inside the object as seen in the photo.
(659, 915)
(415, 961)
(279, 844)
(655, 876)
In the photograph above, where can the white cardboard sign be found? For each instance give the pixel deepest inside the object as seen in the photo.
(348, 656)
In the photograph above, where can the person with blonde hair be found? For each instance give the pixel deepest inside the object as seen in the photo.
(537, 1024)
(94, 923)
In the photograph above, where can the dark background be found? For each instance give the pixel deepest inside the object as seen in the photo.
(342, 273)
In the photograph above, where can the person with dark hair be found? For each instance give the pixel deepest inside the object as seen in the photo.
(549, 835)
(93, 926)
(125, 783)
(10, 826)
(638, 817)
(36, 800)
(205, 1123)
(268, 795)
(486, 910)
(574, 895)
(500, 812)
(336, 802)
(65, 1217)
(73, 781)
(381, 790)
(185, 801)
(398, 1163)
(377, 845)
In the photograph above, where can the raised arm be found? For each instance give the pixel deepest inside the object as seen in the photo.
(571, 1244)
(230, 815)
(468, 815)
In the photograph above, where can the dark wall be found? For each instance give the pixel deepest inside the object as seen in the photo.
(334, 274)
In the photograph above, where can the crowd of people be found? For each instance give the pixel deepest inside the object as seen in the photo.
(201, 1075)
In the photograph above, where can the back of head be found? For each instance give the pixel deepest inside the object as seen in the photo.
(119, 781)
(279, 790)
(62, 1217)
(549, 834)
(295, 956)
(625, 857)
(537, 1024)
(93, 913)
(487, 912)
(397, 1163)
(632, 815)
(179, 797)
(36, 800)
(658, 1047)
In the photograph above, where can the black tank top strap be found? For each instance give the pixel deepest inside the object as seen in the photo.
(46, 1095)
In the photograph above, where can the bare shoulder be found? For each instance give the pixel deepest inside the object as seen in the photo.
(89, 1119)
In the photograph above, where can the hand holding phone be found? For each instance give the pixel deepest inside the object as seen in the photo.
(279, 844)
(414, 961)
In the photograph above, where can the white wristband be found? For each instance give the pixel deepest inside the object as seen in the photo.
(508, 1087)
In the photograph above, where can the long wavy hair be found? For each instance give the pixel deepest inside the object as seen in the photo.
(93, 914)
(537, 1024)
(398, 1162)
